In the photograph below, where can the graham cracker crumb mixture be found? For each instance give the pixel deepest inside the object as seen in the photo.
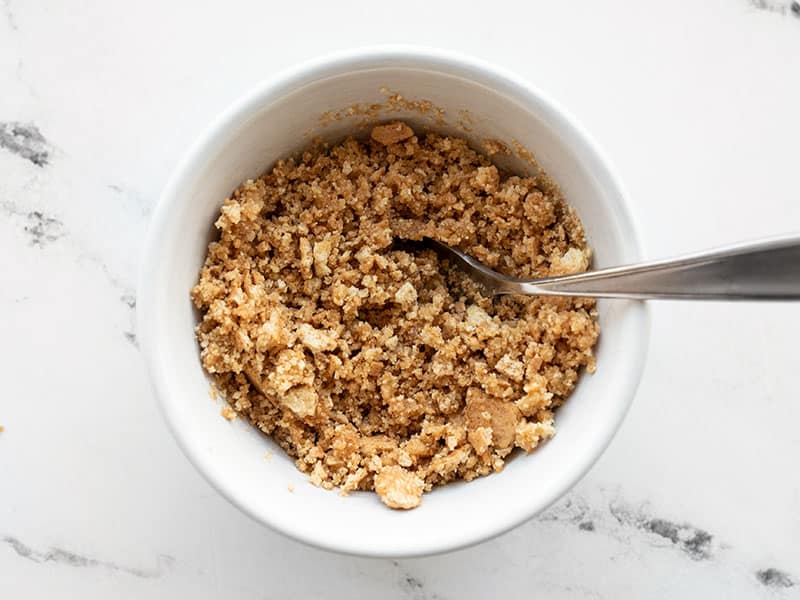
(394, 102)
(375, 367)
(228, 413)
(492, 147)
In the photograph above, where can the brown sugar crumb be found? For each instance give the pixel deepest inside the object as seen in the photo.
(396, 101)
(365, 115)
(399, 488)
(525, 154)
(391, 133)
(492, 147)
(465, 120)
(228, 413)
(374, 367)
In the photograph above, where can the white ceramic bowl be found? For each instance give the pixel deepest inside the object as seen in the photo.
(269, 123)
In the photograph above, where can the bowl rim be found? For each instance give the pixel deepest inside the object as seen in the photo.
(277, 86)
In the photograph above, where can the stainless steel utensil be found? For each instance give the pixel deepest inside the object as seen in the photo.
(760, 270)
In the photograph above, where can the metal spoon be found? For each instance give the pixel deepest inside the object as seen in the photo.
(761, 270)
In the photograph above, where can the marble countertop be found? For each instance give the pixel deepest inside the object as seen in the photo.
(696, 103)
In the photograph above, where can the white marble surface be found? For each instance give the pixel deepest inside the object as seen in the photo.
(695, 102)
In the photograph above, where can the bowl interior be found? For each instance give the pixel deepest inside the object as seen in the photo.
(280, 119)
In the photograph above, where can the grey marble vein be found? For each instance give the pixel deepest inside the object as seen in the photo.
(9, 13)
(164, 562)
(133, 197)
(629, 524)
(573, 509)
(43, 229)
(26, 141)
(127, 291)
(781, 7)
(40, 227)
(774, 578)
(412, 586)
(695, 543)
(131, 337)
(127, 295)
(129, 299)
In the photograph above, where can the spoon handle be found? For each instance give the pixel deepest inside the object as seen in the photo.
(762, 270)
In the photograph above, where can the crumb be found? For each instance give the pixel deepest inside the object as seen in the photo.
(365, 115)
(572, 261)
(212, 392)
(399, 488)
(377, 368)
(492, 147)
(465, 120)
(268, 456)
(406, 295)
(2, 429)
(391, 133)
(525, 155)
(290, 488)
(228, 413)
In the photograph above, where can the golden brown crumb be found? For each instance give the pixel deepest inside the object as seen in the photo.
(374, 367)
(525, 154)
(228, 413)
(399, 488)
(391, 133)
(492, 147)
(395, 102)
(2, 429)
(465, 120)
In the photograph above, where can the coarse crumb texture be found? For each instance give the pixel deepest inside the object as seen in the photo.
(374, 366)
